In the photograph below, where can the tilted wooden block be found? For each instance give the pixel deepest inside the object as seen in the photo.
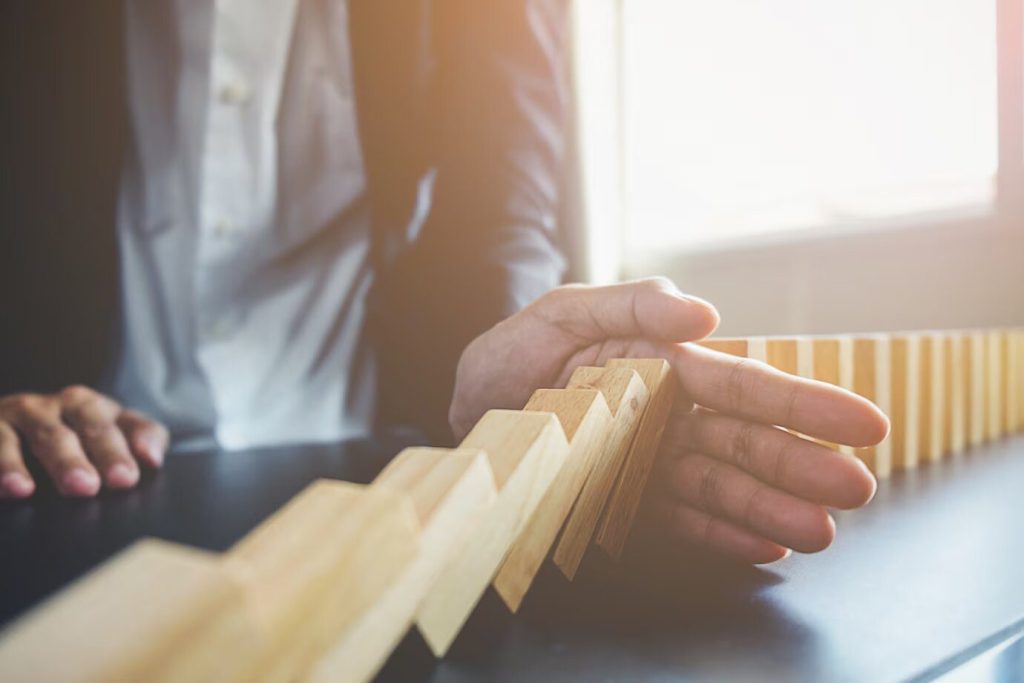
(154, 612)
(317, 564)
(906, 399)
(626, 395)
(450, 491)
(629, 488)
(872, 379)
(525, 450)
(585, 418)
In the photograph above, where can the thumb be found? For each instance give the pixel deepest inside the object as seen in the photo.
(652, 308)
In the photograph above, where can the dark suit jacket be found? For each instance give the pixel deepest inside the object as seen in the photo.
(460, 100)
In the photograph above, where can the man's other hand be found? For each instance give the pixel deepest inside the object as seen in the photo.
(727, 477)
(81, 438)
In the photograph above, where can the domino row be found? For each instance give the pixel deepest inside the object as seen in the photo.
(944, 391)
(327, 586)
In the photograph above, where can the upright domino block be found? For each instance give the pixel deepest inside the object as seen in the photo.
(957, 396)
(755, 348)
(1012, 390)
(450, 491)
(825, 366)
(994, 380)
(782, 354)
(872, 379)
(906, 371)
(586, 420)
(625, 499)
(155, 612)
(525, 451)
(314, 567)
(626, 395)
(932, 383)
(975, 348)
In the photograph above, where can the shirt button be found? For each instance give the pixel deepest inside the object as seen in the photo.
(225, 229)
(236, 92)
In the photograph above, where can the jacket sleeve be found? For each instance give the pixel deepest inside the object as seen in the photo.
(486, 247)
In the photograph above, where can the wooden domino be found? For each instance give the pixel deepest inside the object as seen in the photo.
(450, 490)
(353, 542)
(155, 612)
(586, 420)
(872, 379)
(525, 451)
(625, 498)
(626, 395)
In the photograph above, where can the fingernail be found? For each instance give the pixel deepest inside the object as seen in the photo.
(80, 482)
(17, 485)
(154, 449)
(121, 476)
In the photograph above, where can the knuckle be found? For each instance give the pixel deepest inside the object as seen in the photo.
(93, 430)
(49, 434)
(710, 491)
(76, 393)
(743, 445)
(20, 403)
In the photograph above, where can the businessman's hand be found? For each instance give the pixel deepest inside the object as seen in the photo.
(81, 438)
(727, 477)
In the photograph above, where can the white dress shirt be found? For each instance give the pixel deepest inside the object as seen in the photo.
(242, 224)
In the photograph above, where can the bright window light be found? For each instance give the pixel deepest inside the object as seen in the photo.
(749, 117)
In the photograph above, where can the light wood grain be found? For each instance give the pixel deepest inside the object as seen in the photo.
(906, 368)
(314, 567)
(995, 377)
(586, 420)
(956, 400)
(629, 488)
(155, 612)
(872, 379)
(525, 451)
(974, 366)
(450, 490)
(626, 395)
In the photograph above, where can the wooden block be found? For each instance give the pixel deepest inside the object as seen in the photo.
(974, 351)
(906, 368)
(525, 450)
(1012, 392)
(994, 380)
(155, 612)
(824, 365)
(629, 488)
(782, 354)
(626, 395)
(586, 420)
(1018, 354)
(872, 379)
(956, 399)
(315, 566)
(450, 491)
(933, 396)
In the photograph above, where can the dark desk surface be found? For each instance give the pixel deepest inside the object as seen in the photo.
(927, 576)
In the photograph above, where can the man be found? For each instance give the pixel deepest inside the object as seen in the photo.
(325, 205)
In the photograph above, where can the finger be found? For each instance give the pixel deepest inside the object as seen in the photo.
(147, 438)
(93, 418)
(752, 390)
(691, 525)
(56, 447)
(803, 468)
(651, 308)
(15, 480)
(725, 491)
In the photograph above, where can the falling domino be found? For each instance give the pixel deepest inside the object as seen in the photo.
(317, 564)
(525, 450)
(155, 612)
(626, 394)
(449, 490)
(585, 418)
(625, 499)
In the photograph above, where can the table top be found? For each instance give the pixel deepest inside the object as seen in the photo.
(920, 581)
